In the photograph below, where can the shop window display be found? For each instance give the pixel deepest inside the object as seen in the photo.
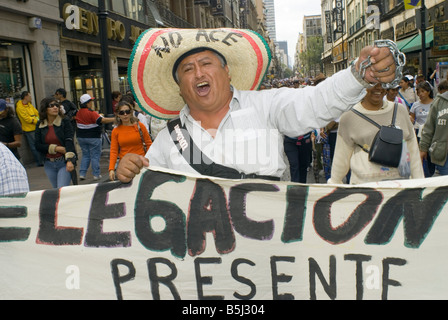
(12, 71)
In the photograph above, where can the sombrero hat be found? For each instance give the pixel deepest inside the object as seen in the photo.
(150, 71)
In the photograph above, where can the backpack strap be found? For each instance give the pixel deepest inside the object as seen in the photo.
(366, 118)
(405, 101)
(394, 116)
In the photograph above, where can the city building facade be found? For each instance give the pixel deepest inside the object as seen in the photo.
(350, 25)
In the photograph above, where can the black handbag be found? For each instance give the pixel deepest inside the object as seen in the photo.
(387, 145)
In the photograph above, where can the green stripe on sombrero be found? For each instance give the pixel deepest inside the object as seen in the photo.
(268, 50)
(129, 73)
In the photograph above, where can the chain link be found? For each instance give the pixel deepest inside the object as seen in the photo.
(400, 62)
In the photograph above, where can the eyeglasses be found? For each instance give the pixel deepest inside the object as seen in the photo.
(52, 105)
(123, 112)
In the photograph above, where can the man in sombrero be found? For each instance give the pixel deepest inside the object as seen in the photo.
(205, 82)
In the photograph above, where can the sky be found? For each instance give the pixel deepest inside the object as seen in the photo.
(289, 19)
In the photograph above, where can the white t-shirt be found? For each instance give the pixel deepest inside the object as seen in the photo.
(421, 111)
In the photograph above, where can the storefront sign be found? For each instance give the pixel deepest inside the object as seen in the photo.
(340, 52)
(388, 34)
(441, 36)
(329, 29)
(83, 24)
(406, 28)
(437, 13)
(338, 16)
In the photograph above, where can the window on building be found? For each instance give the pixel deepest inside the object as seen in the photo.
(92, 2)
(13, 76)
(118, 6)
(133, 9)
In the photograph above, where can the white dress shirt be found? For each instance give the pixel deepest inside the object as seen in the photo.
(250, 137)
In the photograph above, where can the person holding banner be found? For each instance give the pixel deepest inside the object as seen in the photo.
(55, 141)
(13, 175)
(207, 78)
(355, 137)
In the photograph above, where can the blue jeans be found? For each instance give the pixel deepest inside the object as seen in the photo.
(299, 153)
(443, 170)
(91, 154)
(30, 137)
(57, 173)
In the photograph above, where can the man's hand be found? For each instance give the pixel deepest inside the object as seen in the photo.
(423, 155)
(129, 166)
(69, 166)
(383, 64)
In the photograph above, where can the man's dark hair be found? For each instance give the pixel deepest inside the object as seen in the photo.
(24, 94)
(62, 92)
(116, 94)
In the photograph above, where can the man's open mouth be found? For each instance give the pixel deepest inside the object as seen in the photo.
(203, 88)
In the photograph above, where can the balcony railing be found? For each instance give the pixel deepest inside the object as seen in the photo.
(171, 19)
(358, 25)
(202, 2)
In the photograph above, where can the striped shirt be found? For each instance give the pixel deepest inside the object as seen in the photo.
(88, 123)
(13, 177)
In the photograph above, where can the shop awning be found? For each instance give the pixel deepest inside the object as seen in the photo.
(403, 43)
(416, 43)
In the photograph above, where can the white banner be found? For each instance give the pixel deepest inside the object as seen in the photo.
(171, 236)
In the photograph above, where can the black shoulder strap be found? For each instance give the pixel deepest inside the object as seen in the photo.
(199, 161)
(366, 118)
(394, 116)
(194, 156)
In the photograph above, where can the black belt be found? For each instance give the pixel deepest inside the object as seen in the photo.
(306, 136)
(62, 158)
(257, 176)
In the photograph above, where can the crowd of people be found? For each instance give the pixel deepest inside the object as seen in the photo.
(315, 123)
(415, 97)
(336, 153)
(57, 127)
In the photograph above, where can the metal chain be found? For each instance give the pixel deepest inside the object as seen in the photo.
(400, 62)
